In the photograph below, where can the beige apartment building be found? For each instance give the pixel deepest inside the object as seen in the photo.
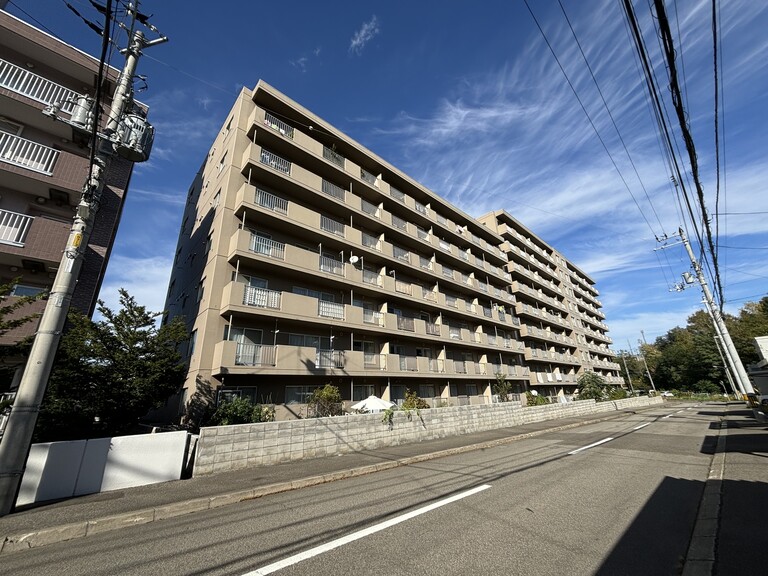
(305, 259)
(43, 166)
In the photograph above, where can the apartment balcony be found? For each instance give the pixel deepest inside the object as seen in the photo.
(231, 357)
(27, 154)
(14, 227)
(35, 87)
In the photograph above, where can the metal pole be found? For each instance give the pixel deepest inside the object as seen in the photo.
(624, 358)
(740, 374)
(21, 422)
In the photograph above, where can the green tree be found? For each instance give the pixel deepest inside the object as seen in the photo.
(108, 373)
(502, 387)
(592, 386)
(413, 402)
(326, 401)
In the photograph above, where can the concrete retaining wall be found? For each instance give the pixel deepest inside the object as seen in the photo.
(233, 447)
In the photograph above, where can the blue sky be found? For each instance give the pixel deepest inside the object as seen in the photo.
(467, 98)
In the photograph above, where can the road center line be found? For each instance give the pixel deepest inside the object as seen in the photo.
(312, 552)
(603, 441)
(641, 426)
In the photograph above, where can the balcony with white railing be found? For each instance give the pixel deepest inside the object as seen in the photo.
(255, 355)
(27, 154)
(34, 86)
(14, 227)
(331, 265)
(278, 125)
(267, 247)
(332, 226)
(332, 310)
(277, 162)
(333, 156)
(261, 297)
(329, 359)
(271, 202)
(333, 190)
(373, 317)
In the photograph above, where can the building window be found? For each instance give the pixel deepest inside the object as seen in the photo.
(200, 289)
(192, 342)
(208, 243)
(222, 162)
(26, 290)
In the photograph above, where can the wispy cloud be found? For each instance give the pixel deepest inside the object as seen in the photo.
(146, 279)
(365, 34)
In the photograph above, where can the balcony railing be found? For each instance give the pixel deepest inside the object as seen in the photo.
(373, 317)
(35, 87)
(333, 190)
(27, 154)
(405, 323)
(402, 287)
(399, 223)
(396, 194)
(330, 359)
(330, 310)
(401, 253)
(371, 277)
(435, 365)
(421, 208)
(371, 360)
(460, 366)
(332, 226)
(428, 294)
(433, 329)
(369, 208)
(409, 363)
(367, 176)
(14, 227)
(276, 124)
(271, 202)
(370, 241)
(423, 234)
(261, 297)
(425, 263)
(275, 161)
(328, 264)
(267, 247)
(333, 156)
(255, 355)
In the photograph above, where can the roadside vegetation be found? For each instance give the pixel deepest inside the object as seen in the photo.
(686, 359)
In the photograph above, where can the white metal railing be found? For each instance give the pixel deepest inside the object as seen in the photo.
(330, 310)
(331, 225)
(433, 329)
(328, 264)
(276, 124)
(402, 287)
(255, 355)
(371, 360)
(421, 208)
(14, 227)
(271, 202)
(398, 222)
(373, 317)
(36, 87)
(267, 247)
(27, 154)
(330, 359)
(261, 297)
(435, 365)
(405, 323)
(333, 156)
(333, 190)
(445, 245)
(277, 162)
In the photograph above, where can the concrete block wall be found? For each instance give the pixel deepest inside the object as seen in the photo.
(223, 448)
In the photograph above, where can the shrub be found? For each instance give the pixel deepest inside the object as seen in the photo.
(502, 387)
(413, 401)
(535, 399)
(242, 411)
(326, 401)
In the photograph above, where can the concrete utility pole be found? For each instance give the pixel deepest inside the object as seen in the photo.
(131, 137)
(642, 357)
(740, 374)
(629, 378)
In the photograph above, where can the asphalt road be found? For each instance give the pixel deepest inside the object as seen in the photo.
(618, 497)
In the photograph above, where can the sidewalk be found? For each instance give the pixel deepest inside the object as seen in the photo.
(96, 513)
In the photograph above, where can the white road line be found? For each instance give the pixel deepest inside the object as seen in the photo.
(641, 426)
(603, 441)
(312, 552)
(667, 416)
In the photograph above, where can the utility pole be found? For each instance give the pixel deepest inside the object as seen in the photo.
(629, 378)
(642, 357)
(130, 136)
(740, 374)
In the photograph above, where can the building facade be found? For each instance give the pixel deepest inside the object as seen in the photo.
(43, 167)
(304, 259)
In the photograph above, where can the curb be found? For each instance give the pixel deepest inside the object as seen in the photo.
(700, 559)
(53, 535)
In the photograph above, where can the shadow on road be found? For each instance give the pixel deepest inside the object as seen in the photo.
(657, 541)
